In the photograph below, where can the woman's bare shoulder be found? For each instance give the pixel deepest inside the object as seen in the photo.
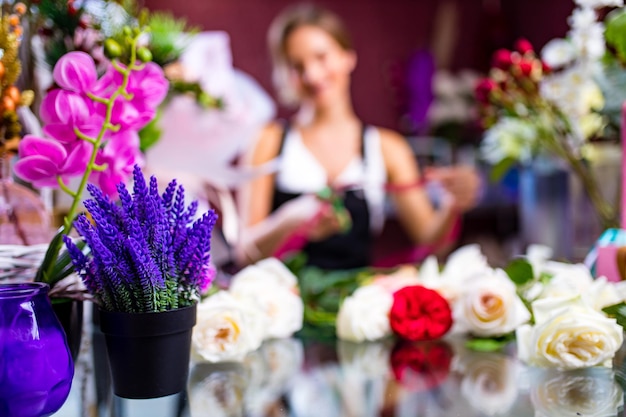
(392, 143)
(267, 144)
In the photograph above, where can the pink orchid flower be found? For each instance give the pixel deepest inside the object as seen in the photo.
(148, 88)
(63, 111)
(41, 160)
(75, 71)
(119, 155)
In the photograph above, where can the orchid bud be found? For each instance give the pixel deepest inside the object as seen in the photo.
(112, 49)
(144, 54)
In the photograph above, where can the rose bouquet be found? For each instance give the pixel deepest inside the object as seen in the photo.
(467, 297)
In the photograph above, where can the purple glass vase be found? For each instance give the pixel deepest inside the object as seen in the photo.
(36, 367)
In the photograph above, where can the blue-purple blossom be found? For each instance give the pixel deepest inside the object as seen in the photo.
(148, 253)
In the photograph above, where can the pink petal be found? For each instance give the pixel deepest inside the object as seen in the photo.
(32, 145)
(36, 168)
(77, 159)
(75, 71)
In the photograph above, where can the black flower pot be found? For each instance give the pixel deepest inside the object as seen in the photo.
(148, 352)
(70, 315)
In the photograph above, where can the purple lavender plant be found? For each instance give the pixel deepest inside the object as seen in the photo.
(147, 254)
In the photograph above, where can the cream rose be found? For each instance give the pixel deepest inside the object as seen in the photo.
(270, 271)
(365, 315)
(489, 306)
(568, 334)
(280, 306)
(582, 392)
(225, 330)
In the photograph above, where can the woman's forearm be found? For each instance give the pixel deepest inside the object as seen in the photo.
(441, 224)
(263, 239)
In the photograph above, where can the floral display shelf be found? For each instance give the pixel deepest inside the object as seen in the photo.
(321, 377)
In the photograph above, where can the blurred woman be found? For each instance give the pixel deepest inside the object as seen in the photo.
(333, 170)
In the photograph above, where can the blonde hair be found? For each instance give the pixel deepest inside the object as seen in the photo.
(284, 25)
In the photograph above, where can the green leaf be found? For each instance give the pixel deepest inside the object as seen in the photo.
(500, 169)
(618, 311)
(150, 134)
(489, 344)
(520, 271)
(615, 32)
(50, 258)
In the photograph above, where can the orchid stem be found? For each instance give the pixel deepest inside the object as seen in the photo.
(95, 142)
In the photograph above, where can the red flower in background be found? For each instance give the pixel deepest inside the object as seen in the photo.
(484, 89)
(523, 46)
(421, 366)
(502, 59)
(419, 313)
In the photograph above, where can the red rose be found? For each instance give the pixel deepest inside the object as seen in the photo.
(523, 46)
(421, 366)
(419, 313)
(483, 90)
(502, 59)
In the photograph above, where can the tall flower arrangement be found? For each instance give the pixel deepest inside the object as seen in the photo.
(90, 127)
(533, 105)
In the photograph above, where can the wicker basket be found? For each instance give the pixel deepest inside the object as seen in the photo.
(19, 263)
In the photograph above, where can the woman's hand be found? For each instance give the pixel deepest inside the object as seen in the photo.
(325, 224)
(461, 182)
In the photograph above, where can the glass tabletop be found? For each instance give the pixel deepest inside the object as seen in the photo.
(321, 377)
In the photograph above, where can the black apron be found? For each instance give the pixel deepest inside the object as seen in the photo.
(348, 250)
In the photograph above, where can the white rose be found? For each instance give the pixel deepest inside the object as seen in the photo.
(490, 380)
(269, 271)
(568, 334)
(281, 306)
(571, 280)
(279, 271)
(582, 392)
(225, 330)
(489, 306)
(463, 264)
(365, 315)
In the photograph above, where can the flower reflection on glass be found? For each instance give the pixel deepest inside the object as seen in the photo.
(584, 392)
(489, 380)
(216, 390)
(421, 366)
(370, 359)
(270, 372)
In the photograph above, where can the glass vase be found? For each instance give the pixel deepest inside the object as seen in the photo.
(36, 368)
(23, 217)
